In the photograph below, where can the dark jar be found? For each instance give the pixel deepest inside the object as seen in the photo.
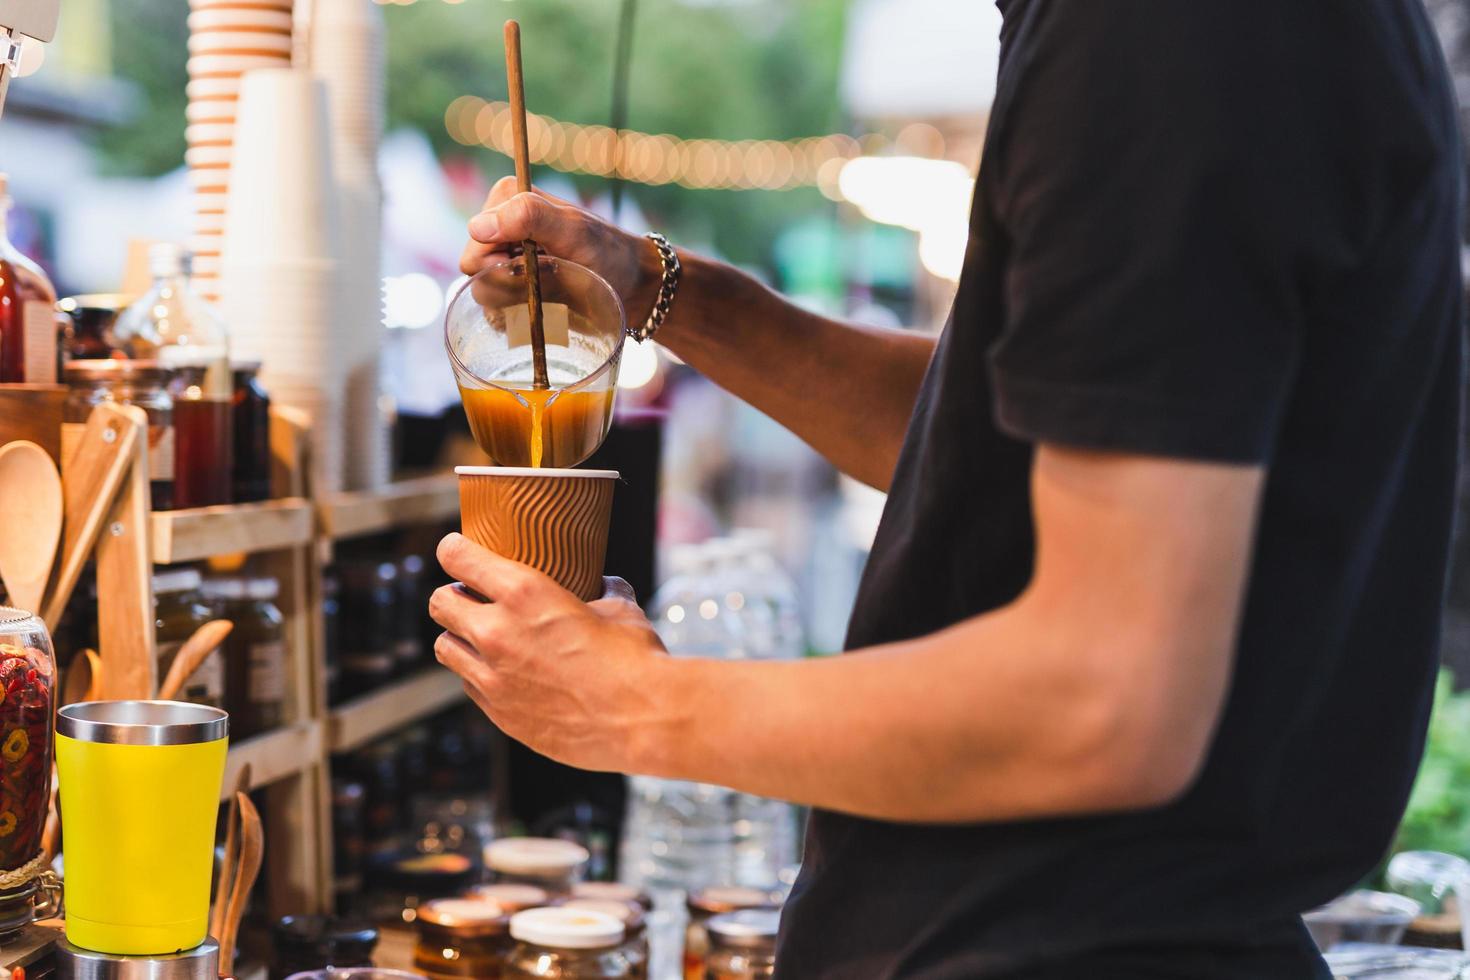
(251, 415)
(255, 671)
(314, 942)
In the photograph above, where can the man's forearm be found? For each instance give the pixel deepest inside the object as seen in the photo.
(847, 390)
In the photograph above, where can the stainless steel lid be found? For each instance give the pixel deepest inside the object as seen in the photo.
(748, 928)
(199, 963)
(142, 722)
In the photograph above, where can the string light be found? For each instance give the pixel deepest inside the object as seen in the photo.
(658, 158)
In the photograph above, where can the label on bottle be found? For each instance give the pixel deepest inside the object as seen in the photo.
(39, 323)
(267, 678)
(71, 436)
(206, 685)
(160, 452)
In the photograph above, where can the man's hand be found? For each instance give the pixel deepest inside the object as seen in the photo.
(575, 681)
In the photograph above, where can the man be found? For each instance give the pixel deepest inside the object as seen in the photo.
(1141, 662)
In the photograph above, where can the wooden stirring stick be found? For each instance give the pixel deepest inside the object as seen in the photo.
(516, 79)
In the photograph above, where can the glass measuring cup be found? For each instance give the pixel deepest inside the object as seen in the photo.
(487, 336)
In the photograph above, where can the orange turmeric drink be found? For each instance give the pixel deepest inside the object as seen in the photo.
(528, 427)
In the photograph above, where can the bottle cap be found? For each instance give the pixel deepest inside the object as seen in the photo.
(564, 928)
(752, 927)
(537, 856)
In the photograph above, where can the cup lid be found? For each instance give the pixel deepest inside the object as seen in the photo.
(535, 471)
(751, 927)
(142, 722)
(564, 928)
(548, 856)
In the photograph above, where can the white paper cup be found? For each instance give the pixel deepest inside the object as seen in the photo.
(239, 42)
(282, 199)
(230, 65)
(211, 112)
(206, 157)
(240, 18)
(209, 134)
(206, 265)
(210, 203)
(213, 88)
(283, 5)
(212, 181)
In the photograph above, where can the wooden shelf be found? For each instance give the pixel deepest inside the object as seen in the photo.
(202, 532)
(274, 755)
(424, 500)
(360, 721)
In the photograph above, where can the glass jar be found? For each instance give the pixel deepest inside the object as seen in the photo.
(92, 317)
(566, 944)
(704, 905)
(332, 634)
(461, 937)
(28, 324)
(251, 413)
(255, 662)
(512, 897)
(204, 436)
(179, 610)
(635, 928)
(349, 839)
(313, 942)
(27, 704)
(546, 862)
(413, 605)
(369, 653)
(742, 945)
(140, 383)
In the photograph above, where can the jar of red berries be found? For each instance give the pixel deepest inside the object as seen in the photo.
(27, 706)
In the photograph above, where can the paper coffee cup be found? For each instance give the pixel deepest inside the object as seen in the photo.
(553, 520)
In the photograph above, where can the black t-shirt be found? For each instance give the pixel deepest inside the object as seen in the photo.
(1218, 230)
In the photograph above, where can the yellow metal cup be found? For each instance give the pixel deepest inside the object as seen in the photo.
(140, 788)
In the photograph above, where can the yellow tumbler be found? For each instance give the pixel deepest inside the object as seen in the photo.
(140, 789)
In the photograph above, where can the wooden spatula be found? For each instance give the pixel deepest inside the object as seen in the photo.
(252, 851)
(206, 640)
(30, 512)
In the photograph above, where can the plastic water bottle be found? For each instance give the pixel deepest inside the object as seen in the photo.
(771, 587)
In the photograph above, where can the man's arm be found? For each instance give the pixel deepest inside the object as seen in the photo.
(1099, 689)
(847, 390)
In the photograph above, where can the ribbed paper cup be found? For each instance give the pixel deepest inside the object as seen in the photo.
(553, 520)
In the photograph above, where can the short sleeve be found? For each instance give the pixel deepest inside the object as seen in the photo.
(1145, 179)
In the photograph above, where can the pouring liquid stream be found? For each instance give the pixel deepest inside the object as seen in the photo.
(537, 427)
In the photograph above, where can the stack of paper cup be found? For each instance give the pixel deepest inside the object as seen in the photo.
(346, 40)
(226, 39)
(282, 256)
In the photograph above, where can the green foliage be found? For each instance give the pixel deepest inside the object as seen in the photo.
(1438, 818)
(150, 48)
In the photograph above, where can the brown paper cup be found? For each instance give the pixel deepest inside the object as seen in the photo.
(553, 520)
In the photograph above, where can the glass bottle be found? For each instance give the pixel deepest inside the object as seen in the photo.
(251, 476)
(125, 382)
(255, 663)
(566, 944)
(28, 683)
(179, 610)
(742, 945)
(173, 325)
(369, 626)
(92, 317)
(28, 318)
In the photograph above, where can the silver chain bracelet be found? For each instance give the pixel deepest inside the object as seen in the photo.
(667, 286)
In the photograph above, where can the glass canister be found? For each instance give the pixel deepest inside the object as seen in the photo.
(314, 942)
(179, 610)
(255, 653)
(742, 945)
(27, 704)
(704, 905)
(566, 944)
(512, 897)
(251, 416)
(140, 383)
(613, 891)
(635, 928)
(413, 605)
(461, 937)
(369, 626)
(546, 862)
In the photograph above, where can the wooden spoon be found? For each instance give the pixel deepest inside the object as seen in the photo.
(83, 678)
(30, 511)
(206, 640)
(252, 851)
(516, 81)
(232, 856)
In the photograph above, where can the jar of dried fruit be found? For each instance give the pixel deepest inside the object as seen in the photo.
(27, 705)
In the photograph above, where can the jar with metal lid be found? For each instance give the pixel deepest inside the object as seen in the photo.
(313, 942)
(369, 621)
(511, 896)
(461, 937)
(546, 862)
(566, 944)
(140, 383)
(742, 945)
(179, 609)
(635, 928)
(704, 905)
(255, 653)
(613, 891)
